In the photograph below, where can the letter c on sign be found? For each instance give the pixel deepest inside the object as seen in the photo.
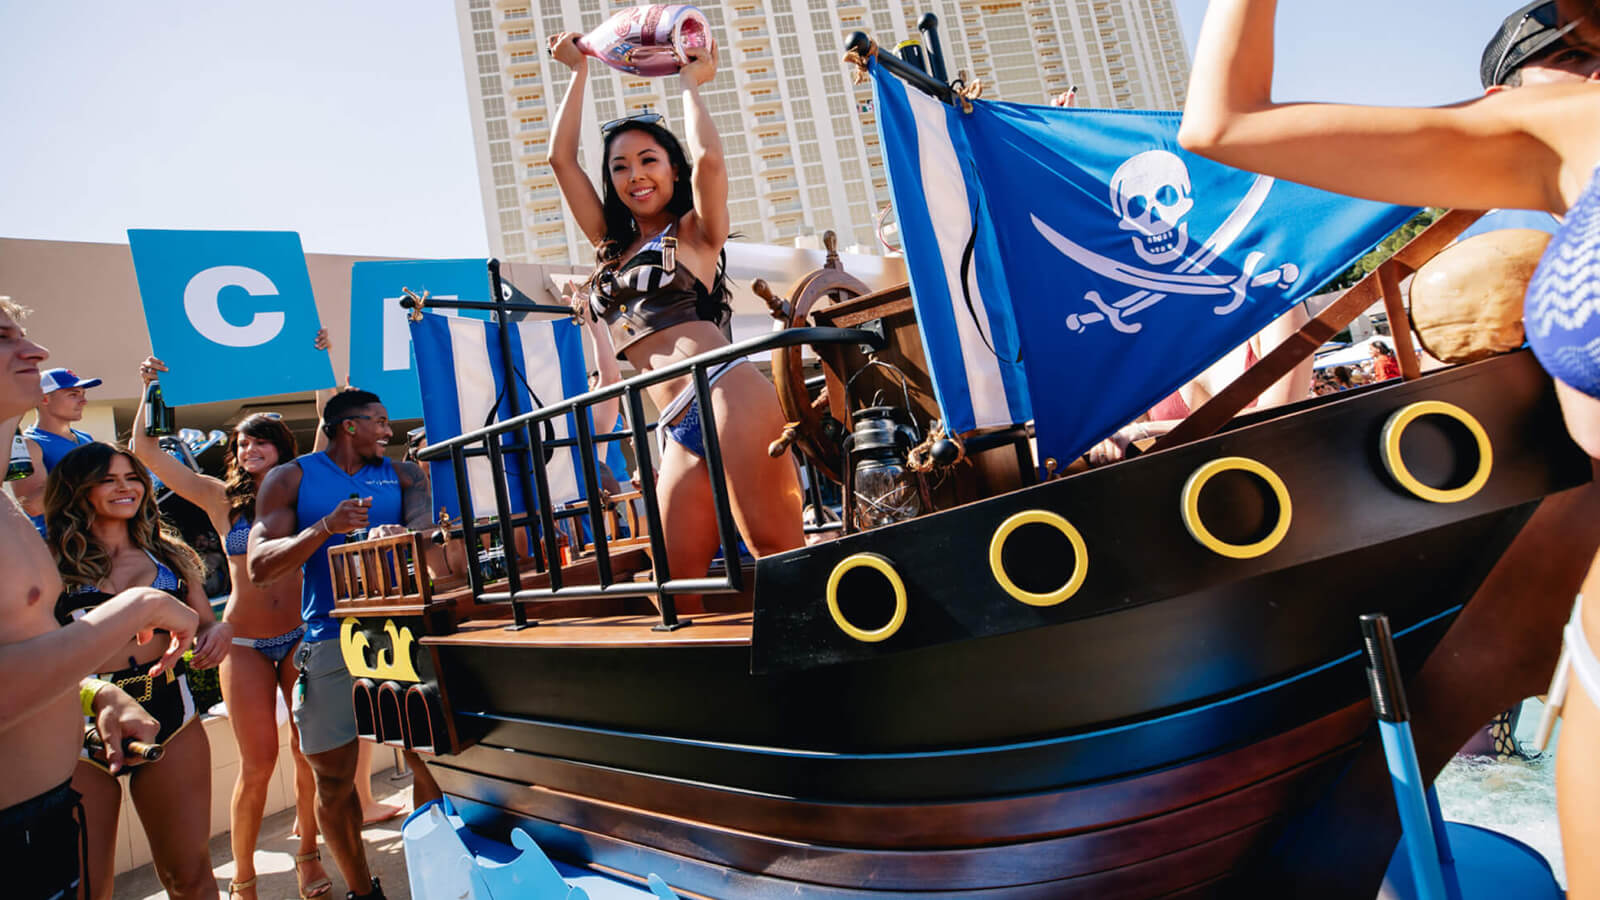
(200, 303)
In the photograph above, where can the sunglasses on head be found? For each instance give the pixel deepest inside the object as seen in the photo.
(641, 118)
(1546, 16)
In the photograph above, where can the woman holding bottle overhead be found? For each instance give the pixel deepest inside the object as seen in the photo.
(658, 223)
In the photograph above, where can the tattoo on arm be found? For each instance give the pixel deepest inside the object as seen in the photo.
(415, 497)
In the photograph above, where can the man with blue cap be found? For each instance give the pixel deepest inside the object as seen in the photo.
(53, 436)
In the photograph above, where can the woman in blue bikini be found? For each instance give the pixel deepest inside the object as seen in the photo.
(267, 627)
(1538, 148)
(106, 536)
(659, 224)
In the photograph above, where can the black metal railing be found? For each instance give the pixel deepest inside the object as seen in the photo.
(521, 437)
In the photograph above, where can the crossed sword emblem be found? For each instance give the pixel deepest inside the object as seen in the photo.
(1188, 277)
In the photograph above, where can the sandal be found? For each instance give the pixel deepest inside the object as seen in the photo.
(319, 888)
(239, 887)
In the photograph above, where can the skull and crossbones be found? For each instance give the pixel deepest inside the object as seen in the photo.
(1152, 194)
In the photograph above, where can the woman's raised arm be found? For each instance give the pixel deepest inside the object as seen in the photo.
(705, 149)
(202, 490)
(576, 187)
(1424, 157)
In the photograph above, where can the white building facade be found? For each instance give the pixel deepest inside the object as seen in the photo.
(800, 140)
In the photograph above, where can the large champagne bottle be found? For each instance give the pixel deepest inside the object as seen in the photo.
(648, 40)
(159, 419)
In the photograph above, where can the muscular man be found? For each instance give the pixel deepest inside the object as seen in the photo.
(42, 666)
(301, 511)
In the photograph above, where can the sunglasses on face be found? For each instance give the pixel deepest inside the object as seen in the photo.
(641, 118)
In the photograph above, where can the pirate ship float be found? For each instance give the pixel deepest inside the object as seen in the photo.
(1137, 681)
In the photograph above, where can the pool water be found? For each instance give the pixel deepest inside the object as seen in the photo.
(1512, 796)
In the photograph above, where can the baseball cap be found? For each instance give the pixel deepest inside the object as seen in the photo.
(61, 379)
(1524, 34)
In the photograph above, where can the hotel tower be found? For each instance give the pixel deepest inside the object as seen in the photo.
(801, 141)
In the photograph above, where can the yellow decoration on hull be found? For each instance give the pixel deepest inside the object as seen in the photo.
(393, 664)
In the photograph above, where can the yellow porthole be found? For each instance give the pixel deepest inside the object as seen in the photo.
(883, 567)
(1080, 569)
(1203, 535)
(1392, 460)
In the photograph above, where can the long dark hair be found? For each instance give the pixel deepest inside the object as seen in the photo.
(239, 485)
(621, 229)
(68, 517)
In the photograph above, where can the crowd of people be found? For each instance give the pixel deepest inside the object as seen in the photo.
(99, 583)
(115, 564)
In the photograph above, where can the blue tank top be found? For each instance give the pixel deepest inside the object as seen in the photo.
(1562, 309)
(323, 486)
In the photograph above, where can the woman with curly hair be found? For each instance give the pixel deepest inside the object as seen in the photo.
(107, 536)
(266, 629)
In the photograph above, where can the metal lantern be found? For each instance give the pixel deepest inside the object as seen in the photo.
(880, 488)
(883, 490)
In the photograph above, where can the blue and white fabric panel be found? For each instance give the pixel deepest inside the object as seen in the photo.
(551, 356)
(460, 377)
(958, 286)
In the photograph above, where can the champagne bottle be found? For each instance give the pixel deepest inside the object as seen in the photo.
(21, 463)
(159, 420)
(648, 40)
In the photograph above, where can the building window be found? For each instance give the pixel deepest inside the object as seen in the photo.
(497, 130)
(499, 151)
(483, 40)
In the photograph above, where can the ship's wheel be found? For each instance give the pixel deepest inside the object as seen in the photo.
(811, 426)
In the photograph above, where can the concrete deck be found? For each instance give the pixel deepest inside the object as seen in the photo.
(275, 854)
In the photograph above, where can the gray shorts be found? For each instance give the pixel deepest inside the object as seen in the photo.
(322, 708)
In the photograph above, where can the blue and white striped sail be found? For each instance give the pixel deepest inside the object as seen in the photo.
(1078, 265)
(464, 387)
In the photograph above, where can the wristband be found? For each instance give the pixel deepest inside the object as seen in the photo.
(87, 690)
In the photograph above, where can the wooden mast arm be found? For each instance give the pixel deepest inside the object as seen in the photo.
(1382, 283)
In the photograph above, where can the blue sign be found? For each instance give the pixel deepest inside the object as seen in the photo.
(231, 313)
(381, 358)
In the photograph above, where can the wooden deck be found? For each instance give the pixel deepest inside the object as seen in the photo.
(706, 630)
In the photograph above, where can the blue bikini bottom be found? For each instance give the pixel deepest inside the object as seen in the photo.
(273, 648)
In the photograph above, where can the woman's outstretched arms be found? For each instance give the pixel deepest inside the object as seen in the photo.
(575, 186)
(1426, 157)
(705, 149)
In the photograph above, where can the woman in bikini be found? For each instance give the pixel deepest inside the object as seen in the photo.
(1538, 148)
(106, 536)
(659, 223)
(266, 629)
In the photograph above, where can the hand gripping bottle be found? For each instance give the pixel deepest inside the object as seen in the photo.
(648, 40)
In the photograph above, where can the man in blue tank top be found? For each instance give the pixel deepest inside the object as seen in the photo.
(52, 436)
(301, 511)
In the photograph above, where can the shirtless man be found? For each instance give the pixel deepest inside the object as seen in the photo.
(42, 666)
(303, 509)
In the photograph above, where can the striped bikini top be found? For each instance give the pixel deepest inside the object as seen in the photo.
(237, 540)
(1562, 310)
(650, 292)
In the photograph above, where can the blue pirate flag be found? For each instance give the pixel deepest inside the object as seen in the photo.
(1078, 265)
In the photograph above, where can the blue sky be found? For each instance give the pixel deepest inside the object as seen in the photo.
(347, 122)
